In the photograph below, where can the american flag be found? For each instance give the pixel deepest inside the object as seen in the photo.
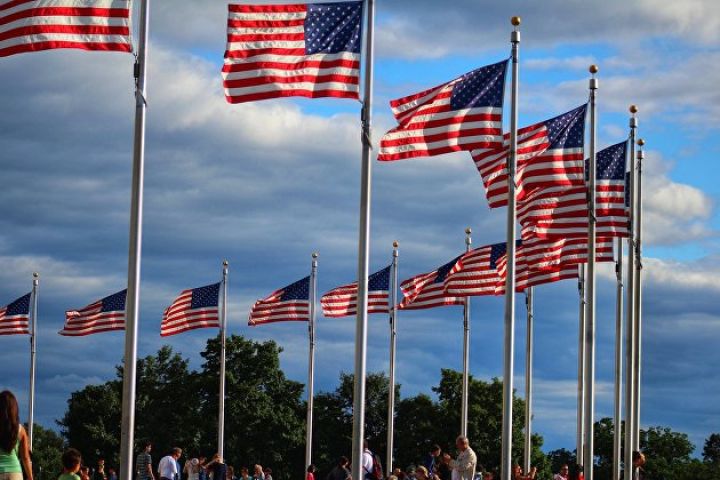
(545, 255)
(549, 155)
(463, 114)
(342, 301)
(101, 316)
(427, 290)
(289, 304)
(193, 308)
(526, 276)
(32, 25)
(306, 50)
(612, 217)
(15, 317)
(476, 272)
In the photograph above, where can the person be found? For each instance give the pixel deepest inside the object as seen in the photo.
(258, 473)
(443, 470)
(579, 473)
(466, 461)
(268, 473)
(216, 467)
(231, 473)
(143, 463)
(244, 474)
(433, 459)
(518, 473)
(563, 474)
(14, 443)
(421, 473)
(168, 467)
(488, 475)
(202, 472)
(99, 473)
(638, 459)
(340, 471)
(84, 472)
(192, 469)
(112, 474)
(367, 462)
(71, 460)
(310, 472)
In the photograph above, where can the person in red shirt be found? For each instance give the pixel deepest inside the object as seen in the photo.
(310, 473)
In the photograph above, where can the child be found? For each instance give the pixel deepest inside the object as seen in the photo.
(71, 460)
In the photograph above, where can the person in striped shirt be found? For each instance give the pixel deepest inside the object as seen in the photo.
(143, 463)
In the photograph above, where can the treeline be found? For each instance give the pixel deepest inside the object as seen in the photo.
(265, 420)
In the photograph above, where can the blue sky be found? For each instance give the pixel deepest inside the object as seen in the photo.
(266, 184)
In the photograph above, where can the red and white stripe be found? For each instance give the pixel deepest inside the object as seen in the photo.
(32, 25)
(265, 58)
(550, 255)
(92, 319)
(420, 292)
(271, 310)
(14, 324)
(554, 213)
(612, 216)
(429, 126)
(342, 301)
(473, 275)
(526, 277)
(179, 317)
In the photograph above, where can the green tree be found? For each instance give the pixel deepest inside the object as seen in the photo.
(47, 450)
(667, 452)
(711, 450)
(418, 420)
(560, 457)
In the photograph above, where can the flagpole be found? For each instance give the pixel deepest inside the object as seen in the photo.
(363, 251)
(393, 342)
(637, 304)
(528, 378)
(617, 412)
(629, 291)
(580, 439)
(223, 336)
(132, 306)
(466, 352)
(509, 320)
(311, 361)
(33, 350)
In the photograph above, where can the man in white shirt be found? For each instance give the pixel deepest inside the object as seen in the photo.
(168, 467)
(367, 462)
(466, 460)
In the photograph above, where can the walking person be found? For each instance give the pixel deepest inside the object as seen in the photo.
(466, 462)
(14, 442)
(168, 466)
(143, 463)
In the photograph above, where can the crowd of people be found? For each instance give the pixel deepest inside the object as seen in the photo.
(16, 463)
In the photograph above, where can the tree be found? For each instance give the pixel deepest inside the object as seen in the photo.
(418, 420)
(560, 457)
(47, 450)
(711, 450)
(667, 452)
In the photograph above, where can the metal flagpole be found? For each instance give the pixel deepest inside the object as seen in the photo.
(223, 335)
(132, 305)
(637, 293)
(393, 340)
(33, 350)
(528, 378)
(466, 352)
(580, 439)
(509, 320)
(590, 316)
(617, 412)
(363, 250)
(311, 361)
(630, 324)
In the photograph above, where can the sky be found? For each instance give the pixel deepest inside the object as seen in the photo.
(265, 184)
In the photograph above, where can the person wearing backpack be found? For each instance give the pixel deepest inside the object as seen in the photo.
(372, 468)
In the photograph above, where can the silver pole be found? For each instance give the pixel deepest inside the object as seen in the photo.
(311, 361)
(466, 352)
(630, 312)
(223, 336)
(617, 414)
(580, 438)
(528, 378)
(393, 342)
(132, 306)
(363, 250)
(33, 350)
(590, 315)
(509, 320)
(637, 292)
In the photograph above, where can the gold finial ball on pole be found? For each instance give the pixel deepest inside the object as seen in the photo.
(225, 263)
(633, 109)
(515, 21)
(396, 244)
(593, 69)
(468, 230)
(36, 274)
(315, 255)
(641, 142)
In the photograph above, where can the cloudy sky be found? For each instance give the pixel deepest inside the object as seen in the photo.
(266, 184)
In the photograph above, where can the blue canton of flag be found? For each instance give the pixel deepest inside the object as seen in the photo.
(192, 309)
(610, 185)
(333, 27)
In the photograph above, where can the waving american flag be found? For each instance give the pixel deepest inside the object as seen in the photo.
(463, 114)
(15, 317)
(427, 290)
(104, 315)
(193, 308)
(476, 272)
(342, 301)
(288, 304)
